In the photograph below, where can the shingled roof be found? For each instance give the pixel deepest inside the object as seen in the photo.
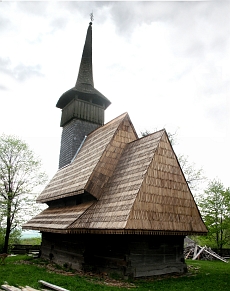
(94, 163)
(136, 186)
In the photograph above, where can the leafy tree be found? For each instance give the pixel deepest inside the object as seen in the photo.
(215, 207)
(20, 173)
(145, 133)
(13, 239)
(193, 175)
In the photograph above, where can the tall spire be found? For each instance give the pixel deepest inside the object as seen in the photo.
(82, 106)
(85, 74)
(84, 86)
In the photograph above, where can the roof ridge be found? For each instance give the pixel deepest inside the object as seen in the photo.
(122, 117)
(146, 136)
(108, 123)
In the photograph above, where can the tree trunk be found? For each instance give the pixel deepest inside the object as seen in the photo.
(8, 228)
(221, 235)
(217, 239)
(6, 242)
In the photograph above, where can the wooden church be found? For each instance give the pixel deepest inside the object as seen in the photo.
(118, 203)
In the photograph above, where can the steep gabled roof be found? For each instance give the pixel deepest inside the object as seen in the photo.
(164, 201)
(138, 185)
(94, 163)
(113, 208)
(147, 193)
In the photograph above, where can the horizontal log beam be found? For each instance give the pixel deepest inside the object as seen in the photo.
(52, 286)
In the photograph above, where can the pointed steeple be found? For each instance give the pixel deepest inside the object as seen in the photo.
(84, 86)
(83, 107)
(85, 74)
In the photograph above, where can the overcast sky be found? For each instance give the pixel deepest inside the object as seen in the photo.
(165, 63)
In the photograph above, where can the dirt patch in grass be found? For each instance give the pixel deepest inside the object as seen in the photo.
(101, 279)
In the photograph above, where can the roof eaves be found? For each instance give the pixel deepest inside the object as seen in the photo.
(68, 194)
(132, 231)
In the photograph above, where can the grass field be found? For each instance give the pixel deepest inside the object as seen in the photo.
(31, 241)
(202, 275)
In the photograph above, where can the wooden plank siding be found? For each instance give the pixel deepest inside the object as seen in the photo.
(83, 110)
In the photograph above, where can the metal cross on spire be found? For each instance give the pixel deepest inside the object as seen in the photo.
(91, 17)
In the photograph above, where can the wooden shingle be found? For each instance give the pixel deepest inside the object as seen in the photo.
(94, 163)
(57, 219)
(137, 185)
(164, 201)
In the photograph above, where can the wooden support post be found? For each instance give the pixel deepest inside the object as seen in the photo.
(28, 288)
(198, 253)
(9, 288)
(215, 256)
(195, 252)
(188, 254)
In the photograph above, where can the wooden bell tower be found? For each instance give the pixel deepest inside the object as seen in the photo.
(82, 107)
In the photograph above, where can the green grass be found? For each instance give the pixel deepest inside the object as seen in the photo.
(35, 241)
(202, 275)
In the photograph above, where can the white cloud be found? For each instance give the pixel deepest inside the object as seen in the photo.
(165, 63)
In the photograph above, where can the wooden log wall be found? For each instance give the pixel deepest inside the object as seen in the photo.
(64, 250)
(126, 255)
(157, 255)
